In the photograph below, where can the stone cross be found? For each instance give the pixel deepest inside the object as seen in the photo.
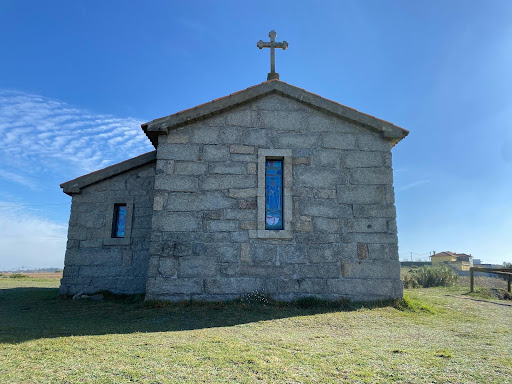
(272, 45)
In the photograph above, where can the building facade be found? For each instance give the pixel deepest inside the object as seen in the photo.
(269, 189)
(459, 261)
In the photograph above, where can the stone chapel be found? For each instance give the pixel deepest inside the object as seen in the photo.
(271, 188)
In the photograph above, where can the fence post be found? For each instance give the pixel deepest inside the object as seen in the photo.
(471, 279)
(509, 276)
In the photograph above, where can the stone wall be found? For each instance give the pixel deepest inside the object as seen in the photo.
(95, 262)
(205, 242)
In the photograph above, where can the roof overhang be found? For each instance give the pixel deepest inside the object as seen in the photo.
(75, 186)
(163, 125)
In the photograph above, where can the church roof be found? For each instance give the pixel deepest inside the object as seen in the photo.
(163, 125)
(75, 185)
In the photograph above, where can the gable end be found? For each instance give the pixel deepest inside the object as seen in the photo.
(163, 125)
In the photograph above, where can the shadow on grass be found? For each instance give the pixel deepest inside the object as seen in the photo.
(489, 295)
(35, 313)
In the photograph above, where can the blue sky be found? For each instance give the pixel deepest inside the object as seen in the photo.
(77, 78)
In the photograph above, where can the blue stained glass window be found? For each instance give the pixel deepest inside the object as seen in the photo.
(274, 194)
(120, 220)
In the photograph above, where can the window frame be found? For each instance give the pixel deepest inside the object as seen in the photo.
(113, 203)
(286, 156)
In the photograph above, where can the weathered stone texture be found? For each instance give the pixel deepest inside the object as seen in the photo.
(184, 152)
(344, 228)
(190, 168)
(228, 168)
(197, 224)
(90, 264)
(215, 153)
(338, 141)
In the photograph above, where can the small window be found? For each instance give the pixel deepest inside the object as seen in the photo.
(274, 194)
(119, 222)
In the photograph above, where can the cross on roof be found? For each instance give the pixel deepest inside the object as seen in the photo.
(272, 45)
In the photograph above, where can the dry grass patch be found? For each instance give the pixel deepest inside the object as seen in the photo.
(42, 275)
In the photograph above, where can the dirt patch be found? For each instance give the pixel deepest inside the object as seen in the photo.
(501, 294)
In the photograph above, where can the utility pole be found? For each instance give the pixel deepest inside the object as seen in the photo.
(411, 256)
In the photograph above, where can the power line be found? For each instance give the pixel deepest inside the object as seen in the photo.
(415, 253)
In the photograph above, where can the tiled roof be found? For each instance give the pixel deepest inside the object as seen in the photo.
(453, 254)
(445, 253)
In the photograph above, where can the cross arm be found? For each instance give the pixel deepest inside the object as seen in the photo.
(283, 45)
(262, 44)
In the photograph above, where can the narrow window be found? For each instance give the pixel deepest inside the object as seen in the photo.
(274, 194)
(119, 222)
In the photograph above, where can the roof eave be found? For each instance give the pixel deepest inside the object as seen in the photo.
(75, 186)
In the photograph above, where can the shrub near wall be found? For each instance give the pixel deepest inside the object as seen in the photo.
(431, 276)
(18, 276)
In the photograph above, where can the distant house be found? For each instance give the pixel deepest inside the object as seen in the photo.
(459, 261)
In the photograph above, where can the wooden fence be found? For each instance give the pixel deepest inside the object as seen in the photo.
(498, 271)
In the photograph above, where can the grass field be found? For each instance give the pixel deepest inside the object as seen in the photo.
(446, 336)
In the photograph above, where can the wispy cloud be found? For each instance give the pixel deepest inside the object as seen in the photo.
(38, 134)
(414, 184)
(29, 240)
(44, 142)
(17, 178)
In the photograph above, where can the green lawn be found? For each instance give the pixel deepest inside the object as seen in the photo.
(450, 338)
